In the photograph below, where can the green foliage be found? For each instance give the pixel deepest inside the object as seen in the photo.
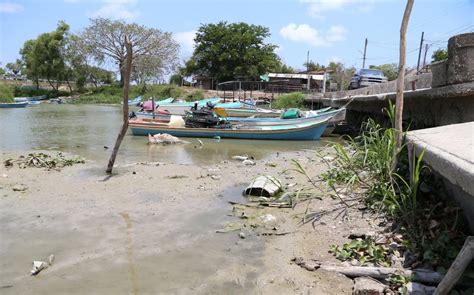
(228, 51)
(6, 94)
(313, 66)
(389, 70)
(195, 95)
(28, 91)
(109, 94)
(176, 79)
(43, 57)
(364, 251)
(339, 74)
(164, 91)
(291, 100)
(2, 71)
(41, 160)
(439, 55)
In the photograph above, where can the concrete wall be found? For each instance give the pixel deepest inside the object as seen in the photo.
(421, 81)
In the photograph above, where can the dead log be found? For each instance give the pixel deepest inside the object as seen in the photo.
(418, 275)
(126, 71)
(462, 261)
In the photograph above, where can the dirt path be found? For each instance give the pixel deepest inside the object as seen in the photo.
(151, 229)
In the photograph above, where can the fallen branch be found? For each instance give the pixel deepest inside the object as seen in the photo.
(417, 275)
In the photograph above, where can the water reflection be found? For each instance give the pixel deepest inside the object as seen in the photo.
(86, 129)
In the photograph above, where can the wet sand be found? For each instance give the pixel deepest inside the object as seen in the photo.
(151, 229)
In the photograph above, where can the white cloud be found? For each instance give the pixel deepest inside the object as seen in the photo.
(306, 34)
(9, 7)
(186, 40)
(117, 9)
(317, 8)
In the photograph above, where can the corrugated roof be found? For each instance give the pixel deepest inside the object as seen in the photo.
(295, 76)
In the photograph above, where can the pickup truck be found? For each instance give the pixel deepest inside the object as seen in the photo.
(366, 77)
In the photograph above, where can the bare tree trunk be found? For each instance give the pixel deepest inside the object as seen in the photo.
(126, 77)
(401, 80)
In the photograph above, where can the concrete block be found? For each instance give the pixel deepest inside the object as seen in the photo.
(439, 71)
(460, 59)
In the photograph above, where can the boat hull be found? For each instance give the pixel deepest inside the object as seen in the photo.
(311, 131)
(33, 98)
(13, 105)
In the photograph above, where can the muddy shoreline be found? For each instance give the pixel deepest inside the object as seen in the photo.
(151, 229)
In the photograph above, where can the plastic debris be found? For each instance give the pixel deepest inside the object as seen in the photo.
(264, 186)
(38, 266)
(240, 158)
(20, 187)
(164, 138)
(248, 163)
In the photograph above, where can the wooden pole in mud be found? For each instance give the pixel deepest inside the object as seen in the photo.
(127, 71)
(401, 81)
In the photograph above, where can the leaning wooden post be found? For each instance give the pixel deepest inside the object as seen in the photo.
(126, 74)
(464, 258)
(401, 81)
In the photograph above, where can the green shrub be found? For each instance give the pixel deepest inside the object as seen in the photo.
(108, 94)
(164, 91)
(29, 91)
(290, 100)
(6, 94)
(195, 95)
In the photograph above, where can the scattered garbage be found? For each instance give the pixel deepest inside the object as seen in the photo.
(248, 163)
(271, 164)
(176, 121)
(20, 187)
(242, 235)
(215, 177)
(264, 186)
(268, 218)
(41, 160)
(164, 139)
(38, 266)
(240, 158)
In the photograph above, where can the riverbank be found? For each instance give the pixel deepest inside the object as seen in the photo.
(152, 229)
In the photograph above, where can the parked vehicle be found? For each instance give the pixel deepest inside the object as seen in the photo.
(366, 77)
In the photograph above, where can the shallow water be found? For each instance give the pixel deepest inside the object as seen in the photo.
(86, 129)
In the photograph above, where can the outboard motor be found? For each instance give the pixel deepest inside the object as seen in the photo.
(132, 115)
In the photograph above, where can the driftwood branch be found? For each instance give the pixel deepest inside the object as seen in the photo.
(462, 261)
(418, 275)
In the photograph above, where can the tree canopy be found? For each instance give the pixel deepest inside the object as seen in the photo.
(43, 56)
(228, 51)
(154, 52)
(389, 70)
(439, 54)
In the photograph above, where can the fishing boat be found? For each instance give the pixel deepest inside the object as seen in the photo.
(33, 103)
(247, 112)
(302, 131)
(135, 101)
(334, 116)
(13, 105)
(32, 98)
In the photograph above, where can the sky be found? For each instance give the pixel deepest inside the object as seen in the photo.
(331, 30)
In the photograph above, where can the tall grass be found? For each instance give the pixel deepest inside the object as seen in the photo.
(6, 94)
(290, 100)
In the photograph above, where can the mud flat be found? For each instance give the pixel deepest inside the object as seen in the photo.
(151, 229)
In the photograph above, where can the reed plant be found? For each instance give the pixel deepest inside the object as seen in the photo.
(6, 94)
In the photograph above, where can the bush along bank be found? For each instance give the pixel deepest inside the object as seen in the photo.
(112, 94)
(423, 228)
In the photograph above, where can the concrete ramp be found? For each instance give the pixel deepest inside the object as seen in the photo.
(449, 151)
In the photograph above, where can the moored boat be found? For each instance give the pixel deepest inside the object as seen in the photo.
(32, 98)
(302, 131)
(13, 105)
(135, 101)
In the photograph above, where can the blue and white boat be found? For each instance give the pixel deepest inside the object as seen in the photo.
(31, 98)
(303, 131)
(135, 101)
(13, 105)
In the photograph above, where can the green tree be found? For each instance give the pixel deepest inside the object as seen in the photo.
(15, 67)
(339, 74)
(2, 71)
(229, 51)
(439, 54)
(154, 52)
(313, 67)
(389, 70)
(43, 57)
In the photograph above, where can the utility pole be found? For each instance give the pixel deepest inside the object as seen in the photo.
(426, 51)
(419, 52)
(307, 70)
(365, 51)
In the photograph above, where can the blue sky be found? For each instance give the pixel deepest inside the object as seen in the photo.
(331, 30)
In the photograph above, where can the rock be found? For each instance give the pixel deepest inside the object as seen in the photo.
(20, 187)
(37, 267)
(271, 164)
(368, 286)
(240, 158)
(419, 289)
(242, 235)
